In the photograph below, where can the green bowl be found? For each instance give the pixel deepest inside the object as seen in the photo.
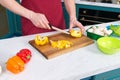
(108, 45)
(93, 36)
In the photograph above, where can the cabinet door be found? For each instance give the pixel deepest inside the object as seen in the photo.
(65, 16)
(111, 75)
(88, 78)
(17, 21)
(6, 23)
(17, 27)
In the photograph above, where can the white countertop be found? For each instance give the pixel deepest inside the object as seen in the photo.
(80, 63)
(97, 4)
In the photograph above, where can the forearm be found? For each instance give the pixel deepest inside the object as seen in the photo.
(15, 7)
(70, 7)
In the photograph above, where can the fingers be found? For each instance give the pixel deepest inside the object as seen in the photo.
(80, 26)
(45, 22)
(40, 21)
(76, 23)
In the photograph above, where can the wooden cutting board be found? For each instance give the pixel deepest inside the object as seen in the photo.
(49, 52)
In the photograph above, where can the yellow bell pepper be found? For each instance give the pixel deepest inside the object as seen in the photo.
(60, 44)
(41, 40)
(75, 33)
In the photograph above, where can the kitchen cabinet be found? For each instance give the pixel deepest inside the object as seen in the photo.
(6, 23)
(17, 27)
(9, 23)
(66, 16)
(110, 75)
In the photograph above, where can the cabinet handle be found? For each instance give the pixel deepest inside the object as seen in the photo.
(91, 21)
(101, 17)
(83, 18)
(84, 12)
(119, 16)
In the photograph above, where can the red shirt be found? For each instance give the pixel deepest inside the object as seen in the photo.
(52, 10)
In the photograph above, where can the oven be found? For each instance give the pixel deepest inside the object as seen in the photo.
(90, 17)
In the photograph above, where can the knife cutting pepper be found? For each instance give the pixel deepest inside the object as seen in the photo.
(25, 55)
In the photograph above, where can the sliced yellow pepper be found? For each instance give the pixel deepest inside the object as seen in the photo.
(60, 44)
(75, 33)
(41, 40)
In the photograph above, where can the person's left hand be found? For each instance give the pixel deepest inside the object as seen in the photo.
(75, 23)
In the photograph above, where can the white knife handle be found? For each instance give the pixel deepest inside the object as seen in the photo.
(57, 29)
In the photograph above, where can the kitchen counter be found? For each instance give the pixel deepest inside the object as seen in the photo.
(75, 65)
(97, 4)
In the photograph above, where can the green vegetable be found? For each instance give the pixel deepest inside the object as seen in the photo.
(116, 29)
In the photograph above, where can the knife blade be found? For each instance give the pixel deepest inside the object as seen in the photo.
(58, 29)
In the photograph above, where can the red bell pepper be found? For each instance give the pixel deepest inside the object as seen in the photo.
(25, 55)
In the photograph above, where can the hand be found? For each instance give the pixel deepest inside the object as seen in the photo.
(39, 20)
(75, 23)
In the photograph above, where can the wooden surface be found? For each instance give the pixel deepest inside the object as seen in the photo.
(49, 52)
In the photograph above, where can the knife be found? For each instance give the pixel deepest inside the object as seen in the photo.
(58, 29)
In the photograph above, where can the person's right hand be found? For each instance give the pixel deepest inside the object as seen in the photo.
(39, 20)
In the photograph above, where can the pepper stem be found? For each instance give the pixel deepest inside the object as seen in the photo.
(28, 56)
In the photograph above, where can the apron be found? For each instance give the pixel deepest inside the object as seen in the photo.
(52, 10)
